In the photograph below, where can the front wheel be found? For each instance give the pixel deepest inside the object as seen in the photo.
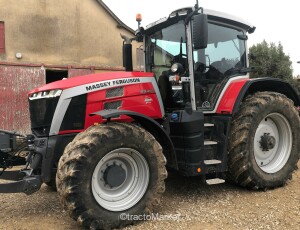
(264, 145)
(108, 170)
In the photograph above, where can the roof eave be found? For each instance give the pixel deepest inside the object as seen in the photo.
(120, 23)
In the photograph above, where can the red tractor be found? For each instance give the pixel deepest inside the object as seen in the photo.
(105, 140)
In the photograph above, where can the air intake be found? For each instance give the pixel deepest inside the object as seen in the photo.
(115, 92)
(113, 105)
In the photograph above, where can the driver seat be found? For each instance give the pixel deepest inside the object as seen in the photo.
(165, 88)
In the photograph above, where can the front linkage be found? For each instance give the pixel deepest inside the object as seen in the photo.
(16, 150)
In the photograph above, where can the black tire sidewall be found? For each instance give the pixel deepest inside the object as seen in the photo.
(278, 178)
(139, 143)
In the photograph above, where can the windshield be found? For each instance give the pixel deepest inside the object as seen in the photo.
(224, 50)
(165, 47)
(224, 57)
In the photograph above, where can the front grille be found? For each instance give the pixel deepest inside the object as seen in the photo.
(115, 92)
(41, 114)
(75, 115)
(112, 105)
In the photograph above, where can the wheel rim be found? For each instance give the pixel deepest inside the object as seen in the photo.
(120, 179)
(273, 143)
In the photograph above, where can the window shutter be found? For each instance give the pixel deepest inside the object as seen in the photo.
(2, 38)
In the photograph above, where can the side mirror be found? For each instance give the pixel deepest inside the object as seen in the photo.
(200, 31)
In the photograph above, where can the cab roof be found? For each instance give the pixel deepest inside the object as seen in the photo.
(212, 15)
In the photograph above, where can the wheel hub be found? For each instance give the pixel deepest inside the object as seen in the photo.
(120, 179)
(272, 143)
(267, 142)
(114, 175)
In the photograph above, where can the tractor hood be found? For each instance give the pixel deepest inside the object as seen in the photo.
(88, 79)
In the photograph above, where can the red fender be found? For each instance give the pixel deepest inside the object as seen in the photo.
(230, 95)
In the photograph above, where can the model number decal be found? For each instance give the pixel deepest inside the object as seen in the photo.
(112, 83)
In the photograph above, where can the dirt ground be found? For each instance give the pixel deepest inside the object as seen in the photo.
(194, 204)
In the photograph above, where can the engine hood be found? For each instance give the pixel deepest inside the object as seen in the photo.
(88, 79)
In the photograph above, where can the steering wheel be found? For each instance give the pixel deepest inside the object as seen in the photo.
(201, 67)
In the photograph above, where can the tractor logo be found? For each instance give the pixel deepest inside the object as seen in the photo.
(148, 100)
(206, 104)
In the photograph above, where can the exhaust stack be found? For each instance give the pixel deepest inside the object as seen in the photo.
(127, 53)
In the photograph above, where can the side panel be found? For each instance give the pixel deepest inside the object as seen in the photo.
(140, 98)
(228, 99)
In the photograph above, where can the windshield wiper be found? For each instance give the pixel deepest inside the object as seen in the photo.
(247, 70)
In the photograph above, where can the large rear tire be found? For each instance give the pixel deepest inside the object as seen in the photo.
(108, 170)
(264, 143)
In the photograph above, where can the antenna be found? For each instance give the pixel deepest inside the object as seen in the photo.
(197, 5)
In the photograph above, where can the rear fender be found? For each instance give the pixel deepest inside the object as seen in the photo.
(266, 84)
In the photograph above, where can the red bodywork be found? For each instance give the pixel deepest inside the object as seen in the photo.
(133, 100)
(229, 97)
(139, 97)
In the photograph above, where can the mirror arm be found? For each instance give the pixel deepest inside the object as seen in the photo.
(188, 18)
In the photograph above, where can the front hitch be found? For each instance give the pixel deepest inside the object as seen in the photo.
(11, 146)
(14, 149)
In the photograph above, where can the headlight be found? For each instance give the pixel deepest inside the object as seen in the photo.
(177, 68)
(174, 67)
(45, 94)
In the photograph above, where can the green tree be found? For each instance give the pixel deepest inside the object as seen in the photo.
(270, 61)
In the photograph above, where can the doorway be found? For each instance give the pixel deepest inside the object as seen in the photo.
(55, 75)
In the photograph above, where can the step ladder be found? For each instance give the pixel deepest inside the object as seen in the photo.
(215, 181)
(209, 125)
(208, 142)
(212, 162)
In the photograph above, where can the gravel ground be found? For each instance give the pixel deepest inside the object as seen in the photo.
(186, 204)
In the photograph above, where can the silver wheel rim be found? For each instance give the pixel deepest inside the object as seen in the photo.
(273, 143)
(118, 193)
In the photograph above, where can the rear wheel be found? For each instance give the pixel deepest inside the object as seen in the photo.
(263, 145)
(108, 170)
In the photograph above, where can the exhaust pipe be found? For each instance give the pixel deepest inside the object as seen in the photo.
(127, 53)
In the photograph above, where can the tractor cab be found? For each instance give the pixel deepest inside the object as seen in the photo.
(193, 54)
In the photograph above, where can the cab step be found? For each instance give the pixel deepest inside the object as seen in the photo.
(210, 143)
(215, 181)
(208, 125)
(212, 162)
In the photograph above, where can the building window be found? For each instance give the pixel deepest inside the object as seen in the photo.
(2, 38)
